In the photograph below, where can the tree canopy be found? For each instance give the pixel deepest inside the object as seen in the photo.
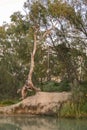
(61, 53)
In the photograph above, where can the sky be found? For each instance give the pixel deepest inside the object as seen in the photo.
(8, 7)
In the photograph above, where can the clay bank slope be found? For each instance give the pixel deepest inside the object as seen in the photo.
(42, 103)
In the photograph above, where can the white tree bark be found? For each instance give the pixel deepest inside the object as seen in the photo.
(29, 81)
(29, 84)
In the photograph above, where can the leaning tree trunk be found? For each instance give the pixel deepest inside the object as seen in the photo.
(29, 80)
(29, 84)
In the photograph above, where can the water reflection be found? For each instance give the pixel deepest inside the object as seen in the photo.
(40, 123)
(7, 126)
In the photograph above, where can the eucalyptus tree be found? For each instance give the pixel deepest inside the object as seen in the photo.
(70, 35)
(7, 66)
(22, 32)
(56, 25)
(61, 20)
(79, 22)
(12, 65)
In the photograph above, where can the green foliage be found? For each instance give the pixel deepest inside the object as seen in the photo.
(2, 32)
(38, 13)
(50, 86)
(53, 86)
(59, 9)
(65, 86)
(67, 44)
(68, 110)
(8, 102)
(84, 108)
(74, 110)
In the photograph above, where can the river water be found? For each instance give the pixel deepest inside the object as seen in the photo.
(40, 123)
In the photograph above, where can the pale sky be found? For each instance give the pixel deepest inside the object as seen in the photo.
(8, 7)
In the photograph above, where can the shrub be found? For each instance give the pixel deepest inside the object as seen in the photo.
(53, 86)
(75, 110)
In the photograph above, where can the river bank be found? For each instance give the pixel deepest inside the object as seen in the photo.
(42, 103)
(47, 103)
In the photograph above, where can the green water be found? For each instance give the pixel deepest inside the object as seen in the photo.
(40, 123)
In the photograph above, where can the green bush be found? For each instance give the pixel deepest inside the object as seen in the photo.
(74, 110)
(50, 86)
(71, 110)
(64, 85)
(68, 110)
(53, 86)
